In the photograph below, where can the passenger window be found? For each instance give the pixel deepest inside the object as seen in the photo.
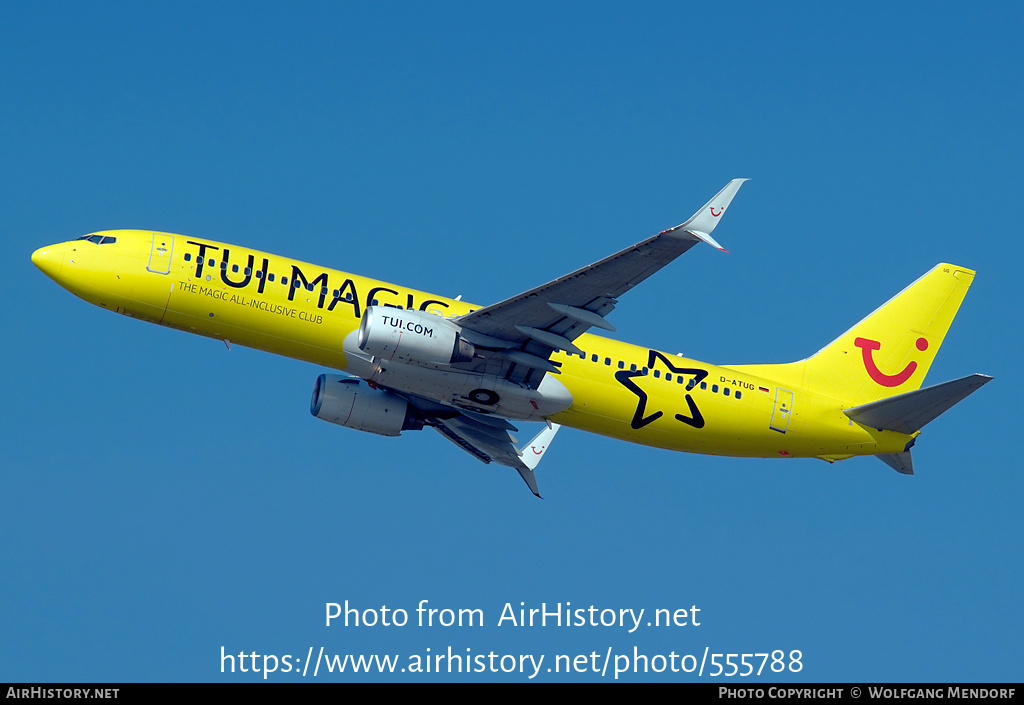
(270, 277)
(284, 280)
(259, 273)
(739, 394)
(725, 391)
(188, 256)
(632, 368)
(622, 365)
(248, 272)
(224, 265)
(234, 268)
(703, 385)
(657, 373)
(689, 385)
(608, 361)
(593, 358)
(714, 388)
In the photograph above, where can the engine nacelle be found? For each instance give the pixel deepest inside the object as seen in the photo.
(353, 403)
(414, 337)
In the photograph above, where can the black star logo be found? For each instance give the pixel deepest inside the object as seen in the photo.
(625, 378)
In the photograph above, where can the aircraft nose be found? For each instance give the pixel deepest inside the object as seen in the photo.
(49, 259)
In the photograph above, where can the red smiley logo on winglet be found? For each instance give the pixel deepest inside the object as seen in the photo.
(537, 452)
(718, 213)
(868, 346)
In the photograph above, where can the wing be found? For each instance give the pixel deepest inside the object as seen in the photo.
(526, 329)
(515, 338)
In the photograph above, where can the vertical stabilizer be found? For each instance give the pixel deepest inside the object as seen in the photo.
(890, 351)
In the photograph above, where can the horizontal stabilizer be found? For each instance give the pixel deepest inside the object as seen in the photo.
(900, 462)
(909, 412)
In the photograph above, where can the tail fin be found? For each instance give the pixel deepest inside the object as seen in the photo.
(890, 351)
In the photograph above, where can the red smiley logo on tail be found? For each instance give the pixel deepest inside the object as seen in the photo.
(868, 346)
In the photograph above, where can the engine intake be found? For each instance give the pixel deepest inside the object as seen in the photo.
(353, 403)
(415, 337)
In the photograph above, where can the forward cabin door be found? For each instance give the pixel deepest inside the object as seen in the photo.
(160, 253)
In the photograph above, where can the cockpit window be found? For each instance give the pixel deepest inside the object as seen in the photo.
(99, 239)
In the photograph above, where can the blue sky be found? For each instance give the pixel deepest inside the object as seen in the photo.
(164, 497)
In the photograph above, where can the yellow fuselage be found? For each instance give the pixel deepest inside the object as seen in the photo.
(250, 298)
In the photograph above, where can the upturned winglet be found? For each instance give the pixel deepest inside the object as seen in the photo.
(532, 453)
(707, 218)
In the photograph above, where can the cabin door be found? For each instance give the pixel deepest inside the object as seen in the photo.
(783, 410)
(160, 253)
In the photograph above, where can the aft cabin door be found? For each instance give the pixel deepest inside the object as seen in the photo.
(160, 253)
(783, 410)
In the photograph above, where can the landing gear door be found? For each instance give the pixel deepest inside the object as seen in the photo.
(783, 410)
(160, 253)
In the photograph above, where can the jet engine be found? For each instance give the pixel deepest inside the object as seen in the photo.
(414, 337)
(353, 403)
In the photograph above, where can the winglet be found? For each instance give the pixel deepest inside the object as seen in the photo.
(531, 454)
(707, 218)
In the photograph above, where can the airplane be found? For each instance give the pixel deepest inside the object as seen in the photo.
(413, 359)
